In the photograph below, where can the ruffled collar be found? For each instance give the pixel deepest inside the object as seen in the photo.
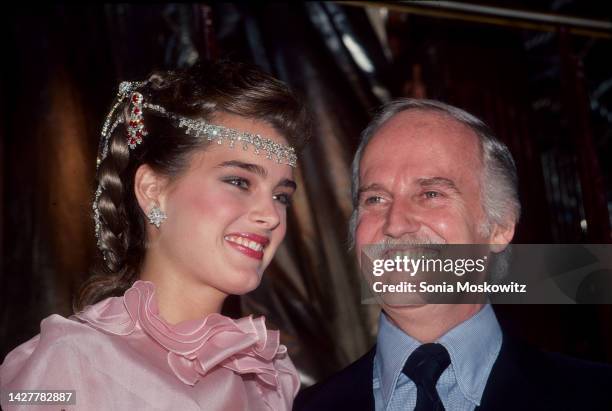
(194, 347)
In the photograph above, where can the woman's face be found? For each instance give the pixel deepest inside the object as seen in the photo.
(227, 213)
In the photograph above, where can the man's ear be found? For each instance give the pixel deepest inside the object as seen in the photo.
(501, 236)
(148, 188)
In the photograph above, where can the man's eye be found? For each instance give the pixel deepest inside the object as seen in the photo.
(239, 182)
(432, 194)
(284, 199)
(373, 200)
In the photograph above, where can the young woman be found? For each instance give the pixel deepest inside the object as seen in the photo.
(195, 173)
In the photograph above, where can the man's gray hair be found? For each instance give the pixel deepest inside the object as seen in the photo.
(499, 180)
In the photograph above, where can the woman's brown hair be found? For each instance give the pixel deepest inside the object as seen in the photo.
(198, 93)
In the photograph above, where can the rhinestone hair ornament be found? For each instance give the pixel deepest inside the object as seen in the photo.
(136, 130)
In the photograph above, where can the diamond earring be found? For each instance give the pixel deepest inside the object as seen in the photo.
(156, 216)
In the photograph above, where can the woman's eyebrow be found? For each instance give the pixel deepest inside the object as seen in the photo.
(287, 183)
(253, 168)
(259, 170)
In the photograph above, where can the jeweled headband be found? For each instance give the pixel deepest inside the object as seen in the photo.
(136, 130)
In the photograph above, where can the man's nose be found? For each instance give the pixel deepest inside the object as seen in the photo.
(264, 212)
(402, 218)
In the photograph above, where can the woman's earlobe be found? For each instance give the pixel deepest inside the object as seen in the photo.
(156, 216)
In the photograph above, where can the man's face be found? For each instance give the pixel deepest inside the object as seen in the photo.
(420, 182)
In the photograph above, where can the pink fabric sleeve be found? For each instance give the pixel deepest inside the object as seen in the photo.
(46, 362)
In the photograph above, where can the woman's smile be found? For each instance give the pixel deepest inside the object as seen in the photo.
(250, 244)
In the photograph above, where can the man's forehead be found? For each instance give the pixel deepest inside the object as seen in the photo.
(423, 124)
(429, 144)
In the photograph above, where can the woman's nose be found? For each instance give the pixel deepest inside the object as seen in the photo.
(265, 212)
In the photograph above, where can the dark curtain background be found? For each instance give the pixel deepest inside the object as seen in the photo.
(547, 94)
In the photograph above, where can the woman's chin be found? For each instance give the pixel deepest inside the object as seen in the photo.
(243, 283)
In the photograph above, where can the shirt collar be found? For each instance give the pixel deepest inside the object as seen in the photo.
(393, 347)
(473, 347)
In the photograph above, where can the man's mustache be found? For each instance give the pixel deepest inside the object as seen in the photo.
(407, 245)
(412, 240)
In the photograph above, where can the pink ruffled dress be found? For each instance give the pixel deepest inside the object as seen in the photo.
(119, 354)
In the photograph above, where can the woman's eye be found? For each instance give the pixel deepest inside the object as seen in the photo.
(284, 199)
(239, 182)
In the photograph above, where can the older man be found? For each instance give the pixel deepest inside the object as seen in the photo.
(426, 172)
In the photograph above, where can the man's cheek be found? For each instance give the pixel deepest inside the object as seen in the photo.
(452, 228)
(366, 230)
(441, 227)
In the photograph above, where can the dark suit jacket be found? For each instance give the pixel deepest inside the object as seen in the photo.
(522, 378)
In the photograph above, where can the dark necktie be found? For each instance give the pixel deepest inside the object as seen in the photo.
(424, 367)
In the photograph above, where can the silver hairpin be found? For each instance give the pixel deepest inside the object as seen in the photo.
(126, 88)
(135, 127)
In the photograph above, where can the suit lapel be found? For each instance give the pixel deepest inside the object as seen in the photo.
(358, 388)
(350, 389)
(514, 382)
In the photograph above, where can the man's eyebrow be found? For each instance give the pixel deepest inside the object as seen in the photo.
(438, 181)
(253, 168)
(370, 187)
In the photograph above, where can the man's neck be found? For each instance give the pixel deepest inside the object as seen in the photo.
(427, 323)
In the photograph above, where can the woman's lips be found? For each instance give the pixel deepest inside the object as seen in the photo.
(250, 244)
(260, 239)
(258, 255)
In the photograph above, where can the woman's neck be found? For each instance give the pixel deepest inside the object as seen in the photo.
(180, 298)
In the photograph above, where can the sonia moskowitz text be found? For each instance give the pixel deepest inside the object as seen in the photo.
(458, 287)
